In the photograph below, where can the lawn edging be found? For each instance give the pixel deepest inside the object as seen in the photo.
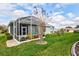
(73, 53)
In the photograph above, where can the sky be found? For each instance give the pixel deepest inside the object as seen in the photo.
(57, 14)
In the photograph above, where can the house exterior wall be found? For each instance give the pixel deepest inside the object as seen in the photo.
(49, 29)
(69, 30)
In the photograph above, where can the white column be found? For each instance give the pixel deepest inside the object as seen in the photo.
(39, 26)
(13, 29)
(19, 29)
(16, 28)
(31, 26)
(9, 29)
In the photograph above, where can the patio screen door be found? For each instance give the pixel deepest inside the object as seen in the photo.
(24, 30)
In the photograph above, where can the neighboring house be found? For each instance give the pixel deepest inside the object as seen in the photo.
(23, 26)
(76, 28)
(49, 29)
(69, 29)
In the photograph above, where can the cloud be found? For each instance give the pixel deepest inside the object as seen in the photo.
(19, 13)
(60, 21)
(30, 6)
(15, 14)
(4, 21)
(7, 6)
(8, 12)
(57, 13)
(71, 15)
(6, 9)
(76, 19)
(26, 6)
(62, 5)
(57, 6)
(57, 18)
(67, 22)
(63, 24)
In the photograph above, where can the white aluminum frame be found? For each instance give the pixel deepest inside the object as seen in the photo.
(25, 30)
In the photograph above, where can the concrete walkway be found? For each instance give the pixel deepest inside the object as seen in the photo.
(14, 42)
(11, 43)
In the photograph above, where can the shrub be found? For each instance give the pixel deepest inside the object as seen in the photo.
(30, 36)
(23, 39)
(36, 36)
(9, 37)
(76, 31)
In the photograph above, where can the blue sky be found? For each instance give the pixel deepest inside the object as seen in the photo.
(60, 14)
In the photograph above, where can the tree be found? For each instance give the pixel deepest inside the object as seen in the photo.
(61, 31)
(40, 12)
(3, 29)
(77, 26)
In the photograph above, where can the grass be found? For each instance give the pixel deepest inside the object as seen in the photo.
(57, 46)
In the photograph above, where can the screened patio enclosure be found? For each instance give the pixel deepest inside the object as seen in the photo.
(23, 26)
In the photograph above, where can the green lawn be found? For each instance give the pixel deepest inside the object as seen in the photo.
(57, 46)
